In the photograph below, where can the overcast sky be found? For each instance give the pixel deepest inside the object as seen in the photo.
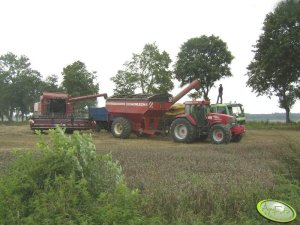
(105, 34)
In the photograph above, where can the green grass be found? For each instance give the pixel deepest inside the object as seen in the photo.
(273, 125)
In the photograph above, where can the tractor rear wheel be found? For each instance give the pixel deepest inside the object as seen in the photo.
(121, 128)
(183, 131)
(220, 134)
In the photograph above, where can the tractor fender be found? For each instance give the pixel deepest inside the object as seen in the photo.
(238, 129)
(218, 122)
(189, 118)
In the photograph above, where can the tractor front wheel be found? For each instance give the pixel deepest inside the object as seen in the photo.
(182, 131)
(220, 134)
(121, 128)
(236, 138)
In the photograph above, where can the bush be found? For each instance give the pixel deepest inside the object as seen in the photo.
(65, 182)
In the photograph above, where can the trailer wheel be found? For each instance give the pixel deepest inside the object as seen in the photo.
(69, 131)
(121, 128)
(182, 131)
(236, 138)
(98, 127)
(220, 134)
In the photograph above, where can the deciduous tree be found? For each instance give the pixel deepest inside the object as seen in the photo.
(148, 71)
(125, 83)
(204, 58)
(51, 84)
(20, 85)
(78, 81)
(275, 69)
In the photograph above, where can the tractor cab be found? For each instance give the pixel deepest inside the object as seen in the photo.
(233, 109)
(198, 110)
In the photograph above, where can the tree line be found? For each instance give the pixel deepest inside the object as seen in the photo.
(274, 70)
(21, 85)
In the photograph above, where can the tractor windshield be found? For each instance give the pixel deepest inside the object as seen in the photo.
(236, 110)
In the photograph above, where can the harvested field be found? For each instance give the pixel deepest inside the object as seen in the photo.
(198, 180)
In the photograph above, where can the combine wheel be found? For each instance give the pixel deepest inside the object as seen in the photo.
(220, 134)
(121, 128)
(182, 131)
(236, 138)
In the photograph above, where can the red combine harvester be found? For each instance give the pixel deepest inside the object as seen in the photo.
(144, 114)
(56, 109)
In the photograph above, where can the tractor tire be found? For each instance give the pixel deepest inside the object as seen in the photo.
(183, 131)
(236, 138)
(220, 134)
(121, 128)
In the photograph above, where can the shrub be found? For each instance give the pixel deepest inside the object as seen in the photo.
(65, 182)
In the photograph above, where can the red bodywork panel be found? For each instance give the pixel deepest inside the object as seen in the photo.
(218, 118)
(190, 118)
(237, 130)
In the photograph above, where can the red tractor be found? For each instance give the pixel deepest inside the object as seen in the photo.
(198, 123)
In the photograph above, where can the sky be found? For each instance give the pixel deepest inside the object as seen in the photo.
(105, 34)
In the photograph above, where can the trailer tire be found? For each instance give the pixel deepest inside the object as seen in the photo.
(182, 131)
(69, 131)
(220, 134)
(121, 128)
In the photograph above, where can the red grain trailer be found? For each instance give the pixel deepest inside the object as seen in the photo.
(141, 114)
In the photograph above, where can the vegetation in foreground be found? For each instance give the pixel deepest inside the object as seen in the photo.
(65, 182)
(178, 184)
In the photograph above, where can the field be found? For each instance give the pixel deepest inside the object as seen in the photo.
(198, 183)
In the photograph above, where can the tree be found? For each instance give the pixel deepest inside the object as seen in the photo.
(275, 69)
(50, 84)
(148, 71)
(78, 81)
(204, 58)
(125, 82)
(19, 83)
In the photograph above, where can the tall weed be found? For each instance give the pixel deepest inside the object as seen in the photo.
(65, 182)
